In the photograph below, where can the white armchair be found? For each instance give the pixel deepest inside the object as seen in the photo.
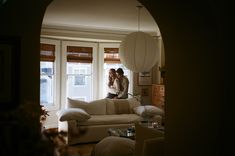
(148, 142)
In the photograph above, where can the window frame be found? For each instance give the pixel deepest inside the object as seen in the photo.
(56, 83)
(64, 44)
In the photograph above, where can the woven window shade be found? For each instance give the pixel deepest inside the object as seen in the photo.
(47, 52)
(111, 55)
(79, 54)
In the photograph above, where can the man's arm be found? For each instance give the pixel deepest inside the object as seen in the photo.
(124, 92)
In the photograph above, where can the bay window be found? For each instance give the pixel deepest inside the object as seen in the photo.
(76, 69)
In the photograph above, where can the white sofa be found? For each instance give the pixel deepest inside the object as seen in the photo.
(89, 121)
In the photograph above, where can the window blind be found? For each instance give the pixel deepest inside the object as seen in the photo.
(79, 54)
(47, 52)
(111, 55)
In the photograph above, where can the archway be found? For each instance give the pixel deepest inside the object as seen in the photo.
(192, 41)
(55, 27)
(195, 86)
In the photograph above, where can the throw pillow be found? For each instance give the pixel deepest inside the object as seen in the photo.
(73, 114)
(120, 106)
(148, 111)
(73, 103)
(96, 107)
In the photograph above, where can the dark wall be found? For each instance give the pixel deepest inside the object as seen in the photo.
(20, 22)
(193, 35)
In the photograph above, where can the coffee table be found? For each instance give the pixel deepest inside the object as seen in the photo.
(152, 124)
(122, 132)
(130, 131)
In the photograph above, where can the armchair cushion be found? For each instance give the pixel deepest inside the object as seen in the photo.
(114, 146)
(73, 114)
(153, 147)
(141, 135)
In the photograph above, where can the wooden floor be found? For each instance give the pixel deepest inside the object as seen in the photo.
(71, 150)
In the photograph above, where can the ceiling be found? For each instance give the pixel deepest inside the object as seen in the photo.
(119, 16)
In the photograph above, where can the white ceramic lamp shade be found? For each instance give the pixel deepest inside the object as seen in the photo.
(139, 52)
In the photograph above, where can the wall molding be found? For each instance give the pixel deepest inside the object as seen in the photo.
(87, 34)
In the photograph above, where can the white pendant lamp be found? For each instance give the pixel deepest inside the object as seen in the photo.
(139, 52)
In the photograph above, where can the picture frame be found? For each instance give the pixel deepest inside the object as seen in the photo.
(9, 75)
(144, 78)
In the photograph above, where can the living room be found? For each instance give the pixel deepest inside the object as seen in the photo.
(188, 94)
(63, 30)
(65, 34)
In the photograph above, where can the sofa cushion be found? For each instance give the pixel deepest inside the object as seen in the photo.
(110, 109)
(112, 119)
(73, 114)
(96, 107)
(154, 146)
(133, 102)
(148, 111)
(121, 106)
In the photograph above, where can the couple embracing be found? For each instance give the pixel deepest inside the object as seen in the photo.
(118, 84)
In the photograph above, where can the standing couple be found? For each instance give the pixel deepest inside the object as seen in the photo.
(118, 84)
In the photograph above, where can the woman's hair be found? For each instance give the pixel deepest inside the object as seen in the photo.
(112, 70)
(111, 79)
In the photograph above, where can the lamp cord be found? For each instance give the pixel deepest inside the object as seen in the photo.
(134, 96)
(139, 7)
